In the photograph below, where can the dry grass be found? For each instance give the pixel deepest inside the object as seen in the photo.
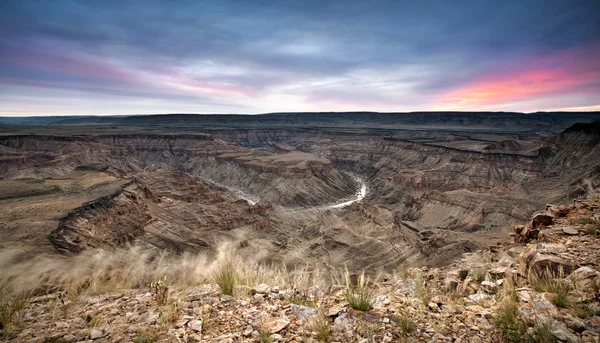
(424, 291)
(169, 315)
(406, 325)
(161, 291)
(11, 313)
(114, 271)
(360, 296)
(320, 326)
(557, 286)
(226, 277)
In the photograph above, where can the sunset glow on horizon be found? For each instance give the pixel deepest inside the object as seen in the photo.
(72, 57)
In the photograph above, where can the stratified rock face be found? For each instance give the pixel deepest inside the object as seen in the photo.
(292, 179)
(109, 221)
(165, 209)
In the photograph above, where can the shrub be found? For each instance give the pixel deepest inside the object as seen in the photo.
(359, 296)
(11, 311)
(149, 336)
(406, 324)
(161, 291)
(477, 274)
(541, 334)
(264, 336)
(226, 277)
(321, 327)
(547, 283)
(507, 320)
(300, 298)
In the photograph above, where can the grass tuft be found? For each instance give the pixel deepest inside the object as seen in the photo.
(547, 283)
(149, 336)
(541, 334)
(508, 322)
(406, 325)
(264, 336)
(226, 277)
(478, 274)
(359, 296)
(11, 313)
(321, 327)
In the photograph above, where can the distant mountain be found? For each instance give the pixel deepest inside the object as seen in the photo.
(539, 122)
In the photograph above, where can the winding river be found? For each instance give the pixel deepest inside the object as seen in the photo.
(252, 200)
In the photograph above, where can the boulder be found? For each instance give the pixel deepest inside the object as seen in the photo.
(262, 289)
(195, 325)
(584, 277)
(541, 219)
(543, 263)
(303, 312)
(571, 231)
(277, 325)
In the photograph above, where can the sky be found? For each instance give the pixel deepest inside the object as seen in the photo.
(64, 57)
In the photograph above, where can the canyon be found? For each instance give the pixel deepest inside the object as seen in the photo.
(364, 191)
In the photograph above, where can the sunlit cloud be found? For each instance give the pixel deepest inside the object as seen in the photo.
(71, 57)
(547, 76)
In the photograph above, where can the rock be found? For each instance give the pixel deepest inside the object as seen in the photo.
(62, 325)
(489, 287)
(335, 311)
(303, 312)
(462, 273)
(70, 338)
(262, 289)
(343, 321)
(96, 334)
(277, 325)
(195, 325)
(541, 219)
(524, 294)
(541, 304)
(541, 263)
(562, 333)
(570, 231)
(276, 337)
(433, 307)
(478, 297)
(406, 286)
(584, 277)
(381, 301)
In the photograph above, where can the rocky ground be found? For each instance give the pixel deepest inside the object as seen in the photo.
(544, 287)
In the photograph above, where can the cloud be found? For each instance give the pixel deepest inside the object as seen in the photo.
(563, 73)
(334, 55)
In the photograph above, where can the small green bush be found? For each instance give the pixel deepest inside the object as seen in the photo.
(478, 274)
(149, 336)
(542, 334)
(406, 324)
(507, 320)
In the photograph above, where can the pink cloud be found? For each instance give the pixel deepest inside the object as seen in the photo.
(570, 71)
(123, 77)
